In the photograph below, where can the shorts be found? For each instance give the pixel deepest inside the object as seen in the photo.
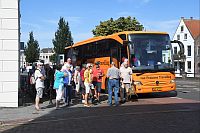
(127, 86)
(98, 86)
(39, 92)
(77, 86)
(87, 88)
(94, 83)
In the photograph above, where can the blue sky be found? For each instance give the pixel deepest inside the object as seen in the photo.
(42, 16)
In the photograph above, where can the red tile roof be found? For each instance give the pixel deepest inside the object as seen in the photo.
(194, 27)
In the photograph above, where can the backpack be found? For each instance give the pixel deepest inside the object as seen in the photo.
(32, 80)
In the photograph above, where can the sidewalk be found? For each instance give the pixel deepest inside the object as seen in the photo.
(10, 116)
(23, 113)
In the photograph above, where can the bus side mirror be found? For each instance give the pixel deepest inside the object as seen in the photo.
(181, 52)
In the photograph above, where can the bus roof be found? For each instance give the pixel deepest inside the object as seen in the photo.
(113, 36)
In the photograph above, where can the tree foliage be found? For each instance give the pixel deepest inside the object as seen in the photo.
(53, 58)
(113, 26)
(63, 37)
(32, 49)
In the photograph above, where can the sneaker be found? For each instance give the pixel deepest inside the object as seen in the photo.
(109, 104)
(87, 105)
(116, 105)
(58, 108)
(83, 101)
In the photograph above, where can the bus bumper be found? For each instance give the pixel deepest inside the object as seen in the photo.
(155, 89)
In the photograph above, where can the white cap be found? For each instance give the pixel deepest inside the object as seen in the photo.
(39, 63)
(88, 65)
(125, 60)
(69, 59)
(125, 63)
(77, 67)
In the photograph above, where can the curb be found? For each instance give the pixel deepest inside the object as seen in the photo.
(15, 122)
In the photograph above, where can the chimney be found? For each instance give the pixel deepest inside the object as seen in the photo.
(191, 18)
(182, 17)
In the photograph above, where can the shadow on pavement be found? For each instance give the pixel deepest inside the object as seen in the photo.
(165, 118)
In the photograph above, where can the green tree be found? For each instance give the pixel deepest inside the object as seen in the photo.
(113, 26)
(32, 49)
(63, 37)
(53, 58)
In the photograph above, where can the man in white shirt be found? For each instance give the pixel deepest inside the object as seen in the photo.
(69, 63)
(39, 84)
(126, 80)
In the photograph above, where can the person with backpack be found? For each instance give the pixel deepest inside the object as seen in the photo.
(39, 84)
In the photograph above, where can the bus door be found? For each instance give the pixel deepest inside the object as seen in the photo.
(115, 56)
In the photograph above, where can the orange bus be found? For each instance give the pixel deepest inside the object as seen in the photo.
(149, 54)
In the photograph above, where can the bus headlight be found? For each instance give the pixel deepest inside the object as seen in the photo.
(172, 81)
(137, 83)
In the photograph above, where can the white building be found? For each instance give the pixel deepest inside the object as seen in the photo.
(9, 53)
(187, 31)
(45, 54)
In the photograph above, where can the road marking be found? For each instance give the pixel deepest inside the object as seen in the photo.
(176, 97)
(180, 88)
(186, 86)
(197, 89)
(185, 91)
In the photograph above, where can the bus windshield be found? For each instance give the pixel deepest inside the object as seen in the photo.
(150, 52)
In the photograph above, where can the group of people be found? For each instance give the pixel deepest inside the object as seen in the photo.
(119, 80)
(86, 81)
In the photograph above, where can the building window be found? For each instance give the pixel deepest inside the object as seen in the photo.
(185, 36)
(189, 66)
(198, 51)
(175, 66)
(189, 50)
(182, 28)
(178, 37)
(43, 57)
(175, 50)
(46, 57)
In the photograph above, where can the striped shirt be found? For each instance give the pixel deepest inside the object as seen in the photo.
(113, 73)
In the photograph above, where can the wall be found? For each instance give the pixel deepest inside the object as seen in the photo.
(186, 42)
(9, 53)
(197, 57)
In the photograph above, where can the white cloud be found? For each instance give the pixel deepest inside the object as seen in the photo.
(70, 19)
(30, 25)
(44, 38)
(51, 21)
(168, 26)
(73, 19)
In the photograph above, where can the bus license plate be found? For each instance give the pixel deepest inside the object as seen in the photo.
(156, 89)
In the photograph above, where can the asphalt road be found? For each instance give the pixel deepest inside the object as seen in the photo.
(188, 89)
(179, 114)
